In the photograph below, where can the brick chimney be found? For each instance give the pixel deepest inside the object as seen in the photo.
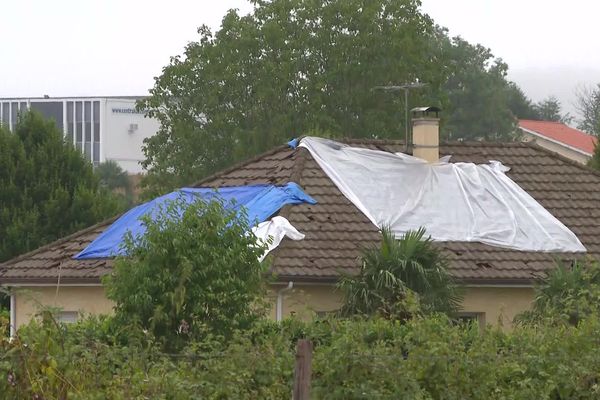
(426, 133)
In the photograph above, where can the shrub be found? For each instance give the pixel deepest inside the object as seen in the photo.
(423, 358)
(567, 295)
(195, 270)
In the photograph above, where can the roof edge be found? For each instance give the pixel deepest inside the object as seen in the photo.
(531, 282)
(51, 281)
(558, 142)
(58, 241)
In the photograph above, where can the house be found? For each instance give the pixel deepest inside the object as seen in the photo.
(498, 282)
(105, 128)
(559, 138)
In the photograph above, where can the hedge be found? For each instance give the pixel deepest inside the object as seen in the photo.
(424, 358)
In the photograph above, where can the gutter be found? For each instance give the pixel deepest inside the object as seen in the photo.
(279, 304)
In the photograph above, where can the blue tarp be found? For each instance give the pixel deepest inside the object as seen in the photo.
(260, 203)
(293, 143)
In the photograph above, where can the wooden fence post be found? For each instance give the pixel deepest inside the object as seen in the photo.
(303, 370)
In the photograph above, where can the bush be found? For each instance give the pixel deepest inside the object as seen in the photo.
(424, 358)
(195, 271)
(567, 295)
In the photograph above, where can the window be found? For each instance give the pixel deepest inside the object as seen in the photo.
(51, 110)
(96, 121)
(465, 318)
(79, 124)
(5, 113)
(14, 112)
(68, 317)
(96, 128)
(87, 118)
(70, 122)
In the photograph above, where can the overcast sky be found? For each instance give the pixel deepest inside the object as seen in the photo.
(116, 47)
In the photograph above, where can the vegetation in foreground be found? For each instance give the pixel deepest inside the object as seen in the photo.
(356, 358)
(168, 342)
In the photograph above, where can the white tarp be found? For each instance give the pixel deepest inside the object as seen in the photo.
(275, 229)
(452, 201)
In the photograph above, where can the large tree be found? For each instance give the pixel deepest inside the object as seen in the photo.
(115, 179)
(550, 109)
(47, 188)
(295, 66)
(588, 105)
(594, 161)
(478, 106)
(519, 104)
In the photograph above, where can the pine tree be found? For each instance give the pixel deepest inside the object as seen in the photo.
(47, 188)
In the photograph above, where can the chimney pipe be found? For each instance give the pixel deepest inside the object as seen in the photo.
(426, 133)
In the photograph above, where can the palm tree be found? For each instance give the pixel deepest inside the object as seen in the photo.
(393, 273)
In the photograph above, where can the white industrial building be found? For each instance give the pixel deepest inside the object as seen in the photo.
(103, 128)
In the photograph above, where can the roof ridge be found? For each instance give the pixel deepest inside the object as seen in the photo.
(543, 120)
(59, 241)
(239, 165)
(482, 143)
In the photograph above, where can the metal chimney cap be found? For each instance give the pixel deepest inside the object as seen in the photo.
(426, 109)
(424, 112)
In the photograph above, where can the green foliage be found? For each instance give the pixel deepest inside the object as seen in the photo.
(594, 162)
(588, 105)
(48, 189)
(424, 358)
(293, 66)
(550, 109)
(519, 104)
(567, 295)
(478, 101)
(113, 178)
(400, 278)
(193, 272)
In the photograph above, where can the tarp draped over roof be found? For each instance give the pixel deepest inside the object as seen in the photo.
(259, 201)
(453, 202)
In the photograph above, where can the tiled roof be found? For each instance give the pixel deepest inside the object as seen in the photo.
(559, 132)
(336, 230)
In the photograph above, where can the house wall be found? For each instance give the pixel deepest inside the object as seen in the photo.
(121, 143)
(86, 299)
(305, 301)
(497, 305)
(492, 305)
(555, 147)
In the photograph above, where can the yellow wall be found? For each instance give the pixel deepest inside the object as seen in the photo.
(304, 301)
(497, 305)
(493, 305)
(86, 299)
(426, 139)
(555, 147)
